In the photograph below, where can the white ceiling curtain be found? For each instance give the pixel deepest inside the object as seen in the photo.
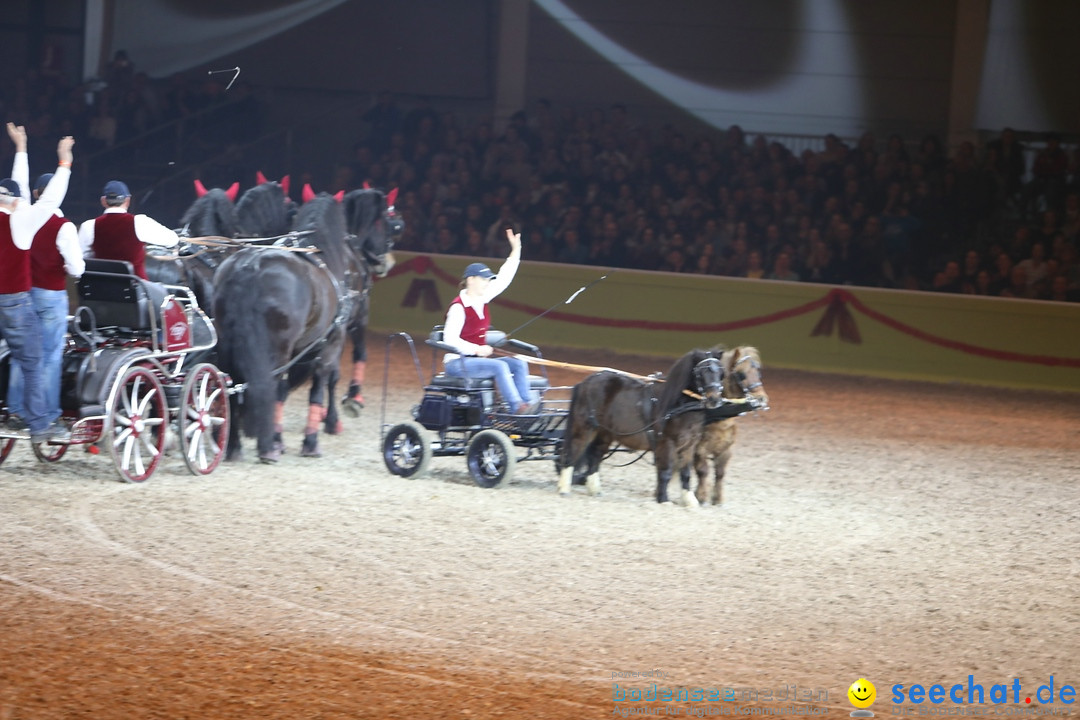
(163, 37)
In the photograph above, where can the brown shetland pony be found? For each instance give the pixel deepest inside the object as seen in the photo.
(610, 407)
(742, 379)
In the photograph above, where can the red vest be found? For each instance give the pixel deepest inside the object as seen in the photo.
(475, 329)
(46, 262)
(115, 239)
(14, 263)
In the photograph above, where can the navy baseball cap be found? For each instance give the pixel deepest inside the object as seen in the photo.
(10, 188)
(478, 270)
(116, 190)
(43, 181)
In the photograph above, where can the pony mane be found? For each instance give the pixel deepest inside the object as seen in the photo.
(263, 211)
(363, 208)
(680, 377)
(211, 214)
(365, 216)
(325, 217)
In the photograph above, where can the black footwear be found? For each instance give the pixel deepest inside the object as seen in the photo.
(16, 423)
(55, 433)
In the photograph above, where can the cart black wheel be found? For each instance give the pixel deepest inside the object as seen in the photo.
(47, 452)
(406, 450)
(491, 458)
(136, 425)
(204, 419)
(5, 449)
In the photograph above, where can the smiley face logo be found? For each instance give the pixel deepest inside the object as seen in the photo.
(862, 693)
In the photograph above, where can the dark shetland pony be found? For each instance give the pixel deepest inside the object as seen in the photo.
(283, 314)
(610, 407)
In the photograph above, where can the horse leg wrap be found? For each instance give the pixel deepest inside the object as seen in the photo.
(354, 400)
(279, 441)
(310, 448)
(315, 415)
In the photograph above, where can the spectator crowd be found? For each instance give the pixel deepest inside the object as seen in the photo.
(596, 188)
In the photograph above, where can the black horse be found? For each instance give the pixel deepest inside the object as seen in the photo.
(190, 265)
(263, 211)
(282, 313)
(366, 262)
(667, 418)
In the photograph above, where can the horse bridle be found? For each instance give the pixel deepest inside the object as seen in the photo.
(715, 367)
(740, 376)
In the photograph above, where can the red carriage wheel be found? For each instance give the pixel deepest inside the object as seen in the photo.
(47, 452)
(5, 449)
(135, 427)
(204, 419)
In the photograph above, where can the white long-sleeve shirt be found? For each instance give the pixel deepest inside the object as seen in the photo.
(27, 219)
(455, 316)
(67, 242)
(67, 239)
(147, 229)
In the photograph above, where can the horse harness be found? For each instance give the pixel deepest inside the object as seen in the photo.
(346, 299)
(647, 405)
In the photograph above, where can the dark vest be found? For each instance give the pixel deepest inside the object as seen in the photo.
(475, 329)
(46, 262)
(14, 263)
(115, 239)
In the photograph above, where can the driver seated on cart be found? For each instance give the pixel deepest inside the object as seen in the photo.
(117, 234)
(466, 326)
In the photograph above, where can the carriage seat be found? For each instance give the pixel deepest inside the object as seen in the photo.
(494, 338)
(118, 297)
(450, 382)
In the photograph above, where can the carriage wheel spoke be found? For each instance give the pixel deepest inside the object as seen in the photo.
(140, 469)
(129, 443)
(196, 441)
(146, 402)
(148, 443)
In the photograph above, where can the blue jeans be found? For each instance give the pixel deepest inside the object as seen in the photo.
(51, 307)
(511, 376)
(21, 329)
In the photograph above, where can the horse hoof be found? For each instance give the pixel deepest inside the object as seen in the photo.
(564, 494)
(313, 453)
(352, 406)
(270, 458)
(335, 428)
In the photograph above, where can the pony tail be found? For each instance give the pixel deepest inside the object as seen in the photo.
(562, 459)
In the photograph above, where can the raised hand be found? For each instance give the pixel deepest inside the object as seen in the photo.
(514, 238)
(17, 133)
(63, 149)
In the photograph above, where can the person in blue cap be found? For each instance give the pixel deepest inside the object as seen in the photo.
(117, 234)
(19, 324)
(466, 326)
(54, 256)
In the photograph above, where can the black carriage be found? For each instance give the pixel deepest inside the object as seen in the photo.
(462, 416)
(136, 376)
